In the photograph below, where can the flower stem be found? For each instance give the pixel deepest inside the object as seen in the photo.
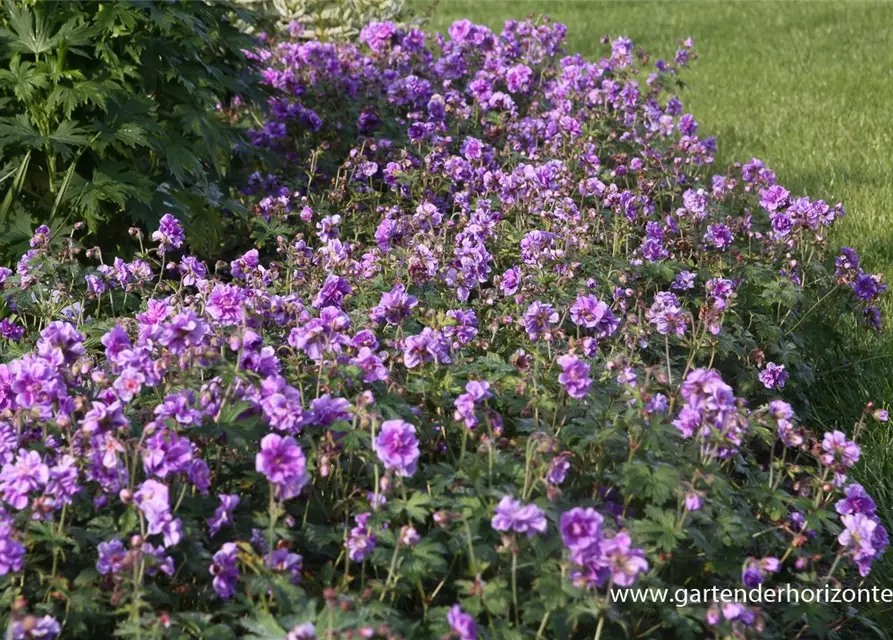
(387, 581)
(273, 513)
(515, 588)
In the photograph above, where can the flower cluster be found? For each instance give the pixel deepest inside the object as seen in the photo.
(497, 298)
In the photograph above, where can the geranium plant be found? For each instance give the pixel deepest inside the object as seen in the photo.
(505, 344)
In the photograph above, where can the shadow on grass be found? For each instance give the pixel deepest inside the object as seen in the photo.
(856, 367)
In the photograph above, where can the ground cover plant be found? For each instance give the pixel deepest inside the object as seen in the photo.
(800, 86)
(508, 339)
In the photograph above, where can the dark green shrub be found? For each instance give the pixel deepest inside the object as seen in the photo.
(110, 108)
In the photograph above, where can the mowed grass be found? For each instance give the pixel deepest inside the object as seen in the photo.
(807, 87)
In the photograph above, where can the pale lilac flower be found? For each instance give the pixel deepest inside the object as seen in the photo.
(839, 450)
(625, 562)
(574, 376)
(511, 515)
(462, 624)
(539, 320)
(304, 631)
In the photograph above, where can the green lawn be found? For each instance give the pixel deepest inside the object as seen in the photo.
(806, 87)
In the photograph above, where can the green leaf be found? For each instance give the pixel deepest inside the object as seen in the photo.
(263, 626)
(415, 506)
(181, 160)
(68, 134)
(23, 78)
(18, 130)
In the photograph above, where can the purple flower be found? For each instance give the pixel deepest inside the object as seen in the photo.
(856, 501)
(581, 528)
(32, 628)
(475, 392)
(574, 376)
(395, 305)
(624, 562)
(666, 314)
(327, 410)
(774, 198)
(103, 418)
(192, 271)
(428, 346)
(558, 469)
(225, 570)
(510, 281)
(129, 384)
(465, 328)
(153, 500)
(242, 268)
(695, 202)
(858, 539)
(711, 413)
(587, 311)
(35, 383)
(304, 631)
(225, 304)
(782, 225)
(332, 293)
(539, 320)
(282, 462)
(156, 560)
(839, 450)
(281, 405)
(718, 236)
(17, 479)
(517, 78)
(112, 556)
(397, 447)
(10, 330)
(847, 263)
(371, 365)
(166, 453)
(12, 553)
(60, 343)
(63, 484)
(361, 542)
(409, 536)
(755, 571)
(322, 335)
(183, 331)
(283, 561)
(170, 234)
(378, 35)
(773, 376)
(511, 515)
(462, 624)
(868, 287)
